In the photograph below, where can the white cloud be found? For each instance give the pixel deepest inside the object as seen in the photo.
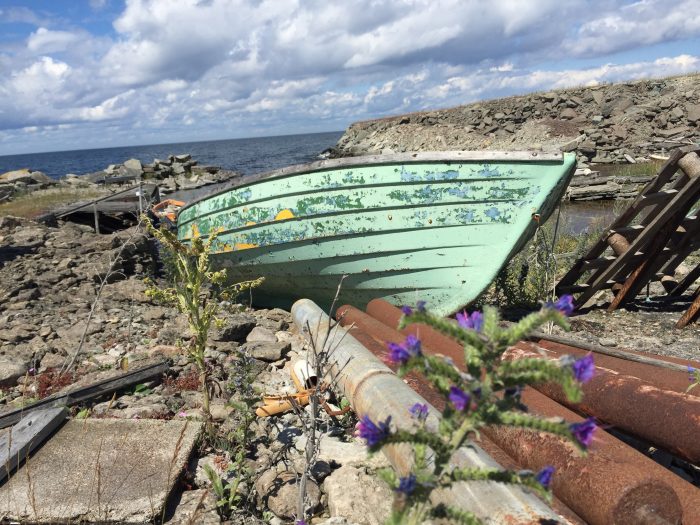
(46, 41)
(211, 63)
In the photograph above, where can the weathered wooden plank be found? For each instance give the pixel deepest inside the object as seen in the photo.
(105, 387)
(623, 220)
(686, 282)
(678, 204)
(26, 435)
(691, 313)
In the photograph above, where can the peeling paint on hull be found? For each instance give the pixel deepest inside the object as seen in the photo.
(437, 231)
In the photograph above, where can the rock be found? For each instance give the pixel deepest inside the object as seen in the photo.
(261, 334)
(51, 360)
(41, 178)
(359, 497)
(352, 453)
(266, 351)
(280, 492)
(11, 370)
(196, 506)
(237, 328)
(568, 114)
(132, 167)
(23, 175)
(693, 112)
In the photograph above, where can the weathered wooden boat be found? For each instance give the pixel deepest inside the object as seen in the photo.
(432, 226)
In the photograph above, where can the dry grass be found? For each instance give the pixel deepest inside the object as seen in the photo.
(36, 203)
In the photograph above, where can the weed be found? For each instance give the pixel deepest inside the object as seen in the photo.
(197, 291)
(487, 393)
(187, 381)
(51, 381)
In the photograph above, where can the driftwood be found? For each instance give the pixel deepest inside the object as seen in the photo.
(101, 388)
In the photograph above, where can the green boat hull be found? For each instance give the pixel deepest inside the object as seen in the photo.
(436, 226)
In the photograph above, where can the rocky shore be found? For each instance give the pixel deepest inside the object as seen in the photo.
(176, 172)
(626, 123)
(49, 281)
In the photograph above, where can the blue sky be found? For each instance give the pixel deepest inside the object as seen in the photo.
(95, 73)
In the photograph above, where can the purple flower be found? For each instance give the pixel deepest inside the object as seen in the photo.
(691, 373)
(473, 321)
(565, 304)
(419, 411)
(513, 391)
(373, 433)
(300, 522)
(459, 398)
(583, 432)
(544, 476)
(401, 353)
(407, 484)
(420, 306)
(584, 368)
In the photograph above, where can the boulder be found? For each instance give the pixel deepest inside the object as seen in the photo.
(358, 496)
(11, 370)
(281, 493)
(23, 175)
(266, 351)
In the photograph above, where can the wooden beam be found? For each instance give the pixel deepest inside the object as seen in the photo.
(101, 388)
(17, 442)
(691, 313)
(678, 205)
(686, 282)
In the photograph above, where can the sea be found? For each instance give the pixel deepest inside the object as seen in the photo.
(247, 156)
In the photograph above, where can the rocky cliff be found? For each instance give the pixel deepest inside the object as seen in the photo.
(613, 123)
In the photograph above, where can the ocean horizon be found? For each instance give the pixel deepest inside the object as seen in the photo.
(247, 155)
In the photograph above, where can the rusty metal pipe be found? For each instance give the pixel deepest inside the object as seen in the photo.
(668, 419)
(600, 492)
(374, 390)
(374, 335)
(675, 380)
(614, 484)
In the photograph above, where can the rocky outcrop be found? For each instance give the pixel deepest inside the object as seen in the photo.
(174, 173)
(616, 123)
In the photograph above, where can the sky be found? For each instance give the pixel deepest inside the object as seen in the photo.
(79, 74)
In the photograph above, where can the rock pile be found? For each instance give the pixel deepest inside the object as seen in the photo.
(174, 173)
(616, 123)
(12, 182)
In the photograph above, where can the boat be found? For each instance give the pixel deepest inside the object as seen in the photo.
(431, 226)
(166, 210)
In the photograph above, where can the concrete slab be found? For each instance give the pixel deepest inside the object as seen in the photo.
(101, 470)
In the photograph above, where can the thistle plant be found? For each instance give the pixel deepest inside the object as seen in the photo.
(487, 392)
(197, 291)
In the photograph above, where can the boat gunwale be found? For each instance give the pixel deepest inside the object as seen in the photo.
(415, 157)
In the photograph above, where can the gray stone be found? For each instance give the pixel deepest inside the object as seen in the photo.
(358, 496)
(693, 111)
(352, 453)
(266, 351)
(196, 506)
(237, 328)
(11, 370)
(99, 470)
(133, 167)
(568, 114)
(281, 491)
(261, 334)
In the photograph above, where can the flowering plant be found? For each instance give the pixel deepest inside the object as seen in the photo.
(694, 376)
(486, 393)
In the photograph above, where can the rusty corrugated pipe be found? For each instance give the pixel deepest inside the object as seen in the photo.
(598, 488)
(374, 390)
(665, 418)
